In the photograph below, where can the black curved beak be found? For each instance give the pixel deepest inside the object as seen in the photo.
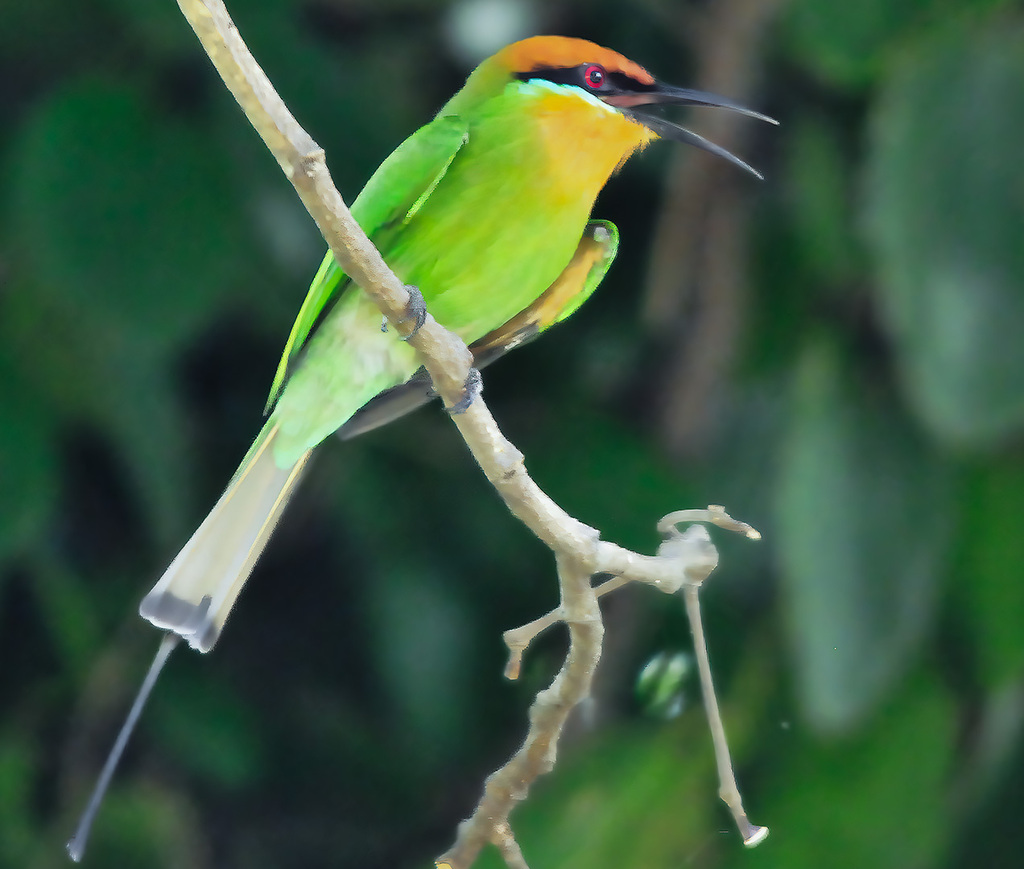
(667, 95)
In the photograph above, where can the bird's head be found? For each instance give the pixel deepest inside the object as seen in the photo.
(593, 72)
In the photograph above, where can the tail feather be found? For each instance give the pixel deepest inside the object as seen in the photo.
(196, 593)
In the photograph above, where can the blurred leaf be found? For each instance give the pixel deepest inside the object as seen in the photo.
(842, 42)
(819, 187)
(154, 27)
(148, 825)
(878, 800)
(128, 229)
(36, 47)
(210, 733)
(18, 759)
(849, 44)
(28, 460)
(336, 90)
(943, 195)
(124, 215)
(990, 566)
(95, 372)
(864, 509)
(67, 605)
(423, 637)
(602, 473)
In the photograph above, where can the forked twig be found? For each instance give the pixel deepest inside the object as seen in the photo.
(685, 559)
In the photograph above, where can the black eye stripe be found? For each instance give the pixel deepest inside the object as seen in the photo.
(608, 83)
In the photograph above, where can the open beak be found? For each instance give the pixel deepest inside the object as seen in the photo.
(667, 95)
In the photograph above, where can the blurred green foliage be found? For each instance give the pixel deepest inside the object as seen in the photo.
(870, 652)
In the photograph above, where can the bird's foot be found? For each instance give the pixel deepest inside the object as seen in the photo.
(415, 310)
(473, 387)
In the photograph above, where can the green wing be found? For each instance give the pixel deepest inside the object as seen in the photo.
(587, 268)
(596, 252)
(397, 190)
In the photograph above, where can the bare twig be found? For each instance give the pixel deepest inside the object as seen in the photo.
(686, 560)
(579, 552)
(548, 715)
(518, 639)
(506, 843)
(728, 790)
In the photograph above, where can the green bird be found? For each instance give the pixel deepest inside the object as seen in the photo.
(486, 210)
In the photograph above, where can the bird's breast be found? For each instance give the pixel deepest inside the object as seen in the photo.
(508, 215)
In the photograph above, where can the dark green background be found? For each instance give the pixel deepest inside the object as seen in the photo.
(840, 361)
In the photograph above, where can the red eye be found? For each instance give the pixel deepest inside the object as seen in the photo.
(593, 76)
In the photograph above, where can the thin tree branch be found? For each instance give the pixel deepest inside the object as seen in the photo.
(548, 715)
(506, 843)
(579, 552)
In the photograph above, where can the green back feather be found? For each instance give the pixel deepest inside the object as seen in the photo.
(395, 192)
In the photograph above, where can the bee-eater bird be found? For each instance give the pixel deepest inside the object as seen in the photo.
(486, 210)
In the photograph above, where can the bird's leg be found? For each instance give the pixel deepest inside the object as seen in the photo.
(473, 387)
(415, 310)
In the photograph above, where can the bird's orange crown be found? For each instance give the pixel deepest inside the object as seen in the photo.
(539, 52)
